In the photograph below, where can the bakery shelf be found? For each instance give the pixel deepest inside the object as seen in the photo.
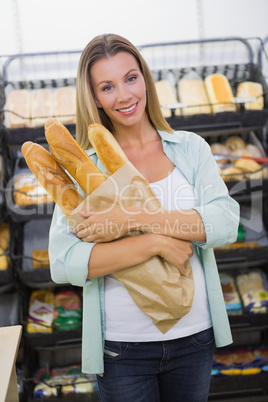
(250, 387)
(14, 138)
(15, 167)
(33, 236)
(231, 56)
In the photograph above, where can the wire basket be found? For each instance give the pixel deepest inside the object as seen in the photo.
(233, 57)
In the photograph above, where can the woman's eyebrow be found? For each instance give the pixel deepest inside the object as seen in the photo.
(110, 82)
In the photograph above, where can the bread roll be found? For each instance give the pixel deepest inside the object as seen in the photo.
(107, 148)
(4, 262)
(220, 149)
(68, 153)
(40, 258)
(51, 176)
(254, 151)
(167, 96)
(235, 142)
(18, 104)
(193, 94)
(4, 235)
(41, 106)
(232, 174)
(251, 166)
(220, 93)
(64, 105)
(249, 89)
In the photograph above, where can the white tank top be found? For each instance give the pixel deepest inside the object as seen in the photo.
(124, 321)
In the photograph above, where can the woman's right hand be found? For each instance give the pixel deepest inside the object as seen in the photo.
(174, 251)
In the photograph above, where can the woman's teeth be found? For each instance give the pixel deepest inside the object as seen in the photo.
(127, 110)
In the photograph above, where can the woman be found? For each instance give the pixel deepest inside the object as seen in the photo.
(133, 359)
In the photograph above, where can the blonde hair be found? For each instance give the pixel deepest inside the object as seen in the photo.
(87, 112)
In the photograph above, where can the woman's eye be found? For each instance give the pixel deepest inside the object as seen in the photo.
(107, 88)
(132, 78)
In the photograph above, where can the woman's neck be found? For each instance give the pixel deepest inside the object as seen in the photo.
(135, 136)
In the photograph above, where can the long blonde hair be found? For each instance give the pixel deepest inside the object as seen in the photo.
(87, 112)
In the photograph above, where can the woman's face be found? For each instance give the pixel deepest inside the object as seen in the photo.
(119, 88)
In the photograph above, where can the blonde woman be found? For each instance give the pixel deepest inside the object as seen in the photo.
(133, 360)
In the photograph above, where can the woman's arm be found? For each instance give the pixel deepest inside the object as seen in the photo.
(106, 258)
(103, 226)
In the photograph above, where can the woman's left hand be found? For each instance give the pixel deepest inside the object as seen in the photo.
(105, 224)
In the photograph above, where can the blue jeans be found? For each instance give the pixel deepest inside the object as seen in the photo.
(169, 371)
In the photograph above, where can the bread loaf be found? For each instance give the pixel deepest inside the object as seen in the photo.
(167, 96)
(41, 106)
(51, 176)
(68, 153)
(28, 191)
(40, 258)
(64, 105)
(18, 105)
(249, 89)
(220, 93)
(4, 261)
(107, 148)
(232, 174)
(4, 235)
(250, 166)
(193, 94)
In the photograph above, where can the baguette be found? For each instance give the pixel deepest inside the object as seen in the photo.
(107, 148)
(68, 153)
(51, 176)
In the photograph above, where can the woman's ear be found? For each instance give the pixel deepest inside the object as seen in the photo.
(97, 103)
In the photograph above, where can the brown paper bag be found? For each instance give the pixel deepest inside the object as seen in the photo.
(156, 286)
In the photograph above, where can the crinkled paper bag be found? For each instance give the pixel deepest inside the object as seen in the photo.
(156, 286)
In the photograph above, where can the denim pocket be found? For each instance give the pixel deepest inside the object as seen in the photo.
(114, 349)
(204, 338)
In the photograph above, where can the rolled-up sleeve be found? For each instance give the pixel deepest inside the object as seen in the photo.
(218, 210)
(68, 255)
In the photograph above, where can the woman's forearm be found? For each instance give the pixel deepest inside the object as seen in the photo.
(106, 258)
(184, 225)
(110, 257)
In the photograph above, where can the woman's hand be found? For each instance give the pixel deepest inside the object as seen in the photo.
(105, 224)
(174, 251)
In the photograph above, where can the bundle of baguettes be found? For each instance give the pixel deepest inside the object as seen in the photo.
(66, 154)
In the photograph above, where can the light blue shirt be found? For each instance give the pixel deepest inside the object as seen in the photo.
(69, 256)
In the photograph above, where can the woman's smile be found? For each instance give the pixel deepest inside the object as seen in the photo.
(129, 110)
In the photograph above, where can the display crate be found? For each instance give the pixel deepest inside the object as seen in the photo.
(232, 56)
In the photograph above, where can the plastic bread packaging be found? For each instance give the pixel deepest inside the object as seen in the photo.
(253, 290)
(41, 311)
(192, 92)
(156, 286)
(231, 297)
(252, 92)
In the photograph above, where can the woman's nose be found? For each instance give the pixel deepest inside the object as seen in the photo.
(123, 94)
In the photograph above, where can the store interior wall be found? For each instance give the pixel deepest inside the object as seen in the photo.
(54, 25)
